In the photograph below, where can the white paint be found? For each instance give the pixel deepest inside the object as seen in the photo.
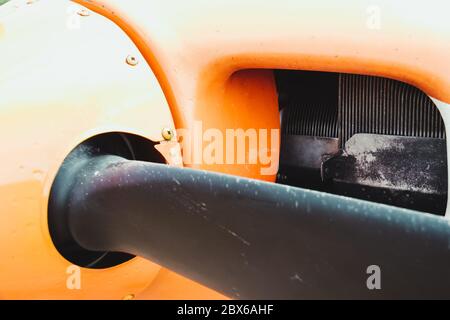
(444, 109)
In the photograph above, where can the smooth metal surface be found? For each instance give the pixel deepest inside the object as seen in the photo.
(60, 85)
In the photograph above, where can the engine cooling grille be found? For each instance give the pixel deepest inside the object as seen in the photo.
(318, 120)
(384, 106)
(340, 105)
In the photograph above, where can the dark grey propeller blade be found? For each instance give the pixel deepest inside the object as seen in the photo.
(249, 239)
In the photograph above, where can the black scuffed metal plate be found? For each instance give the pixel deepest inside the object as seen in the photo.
(409, 172)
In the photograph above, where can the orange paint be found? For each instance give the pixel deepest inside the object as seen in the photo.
(195, 48)
(203, 60)
(171, 286)
(247, 101)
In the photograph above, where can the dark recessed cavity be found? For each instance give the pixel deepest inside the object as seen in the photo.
(128, 146)
(361, 136)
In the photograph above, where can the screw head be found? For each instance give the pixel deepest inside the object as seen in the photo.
(84, 12)
(132, 60)
(167, 134)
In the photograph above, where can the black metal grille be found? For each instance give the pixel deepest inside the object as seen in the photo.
(340, 105)
(384, 106)
(312, 120)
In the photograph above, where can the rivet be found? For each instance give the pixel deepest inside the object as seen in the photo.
(132, 60)
(128, 297)
(167, 134)
(84, 12)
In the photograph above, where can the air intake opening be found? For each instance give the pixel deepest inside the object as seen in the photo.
(361, 136)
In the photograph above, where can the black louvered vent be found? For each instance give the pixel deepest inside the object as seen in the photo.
(384, 106)
(312, 120)
(340, 105)
(308, 101)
